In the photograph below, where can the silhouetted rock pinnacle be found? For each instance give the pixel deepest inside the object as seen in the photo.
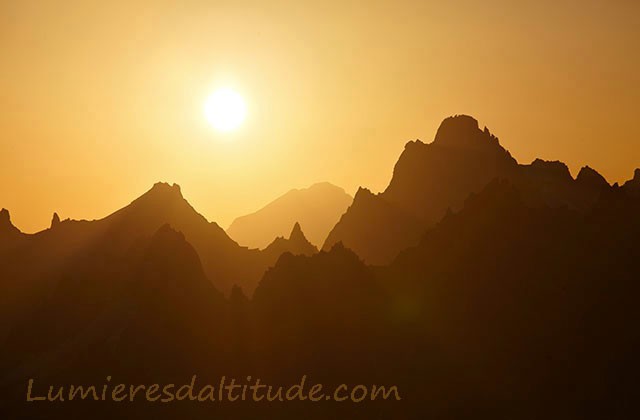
(55, 220)
(9, 235)
(296, 233)
(5, 218)
(299, 241)
(5, 222)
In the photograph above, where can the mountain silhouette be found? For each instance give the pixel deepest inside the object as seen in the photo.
(317, 208)
(431, 179)
(591, 178)
(507, 297)
(55, 220)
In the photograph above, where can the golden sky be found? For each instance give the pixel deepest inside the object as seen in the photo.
(99, 100)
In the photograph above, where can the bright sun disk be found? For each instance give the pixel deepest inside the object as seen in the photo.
(225, 109)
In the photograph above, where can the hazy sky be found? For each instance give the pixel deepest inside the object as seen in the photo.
(99, 100)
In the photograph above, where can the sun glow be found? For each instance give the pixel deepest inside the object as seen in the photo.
(225, 109)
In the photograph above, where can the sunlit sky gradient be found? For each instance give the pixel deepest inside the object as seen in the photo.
(99, 100)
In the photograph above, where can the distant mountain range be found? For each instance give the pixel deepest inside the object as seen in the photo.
(316, 208)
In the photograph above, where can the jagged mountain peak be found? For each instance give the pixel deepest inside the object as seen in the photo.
(363, 193)
(338, 247)
(460, 121)
(417, 143)
(554, 169)
(5, 217)
(300, 242)
(462, 157)
(7, 229)
(339, 250)
(297, 244)
(591, 177)
(296, 232)
(463, 131)
(161, 196)
(164, 188)
(5, 222)
(633, 185)
(165, 200)
(636, 178)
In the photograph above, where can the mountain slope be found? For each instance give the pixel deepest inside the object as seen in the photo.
(375, 228)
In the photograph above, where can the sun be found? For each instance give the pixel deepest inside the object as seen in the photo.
(225, 109)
